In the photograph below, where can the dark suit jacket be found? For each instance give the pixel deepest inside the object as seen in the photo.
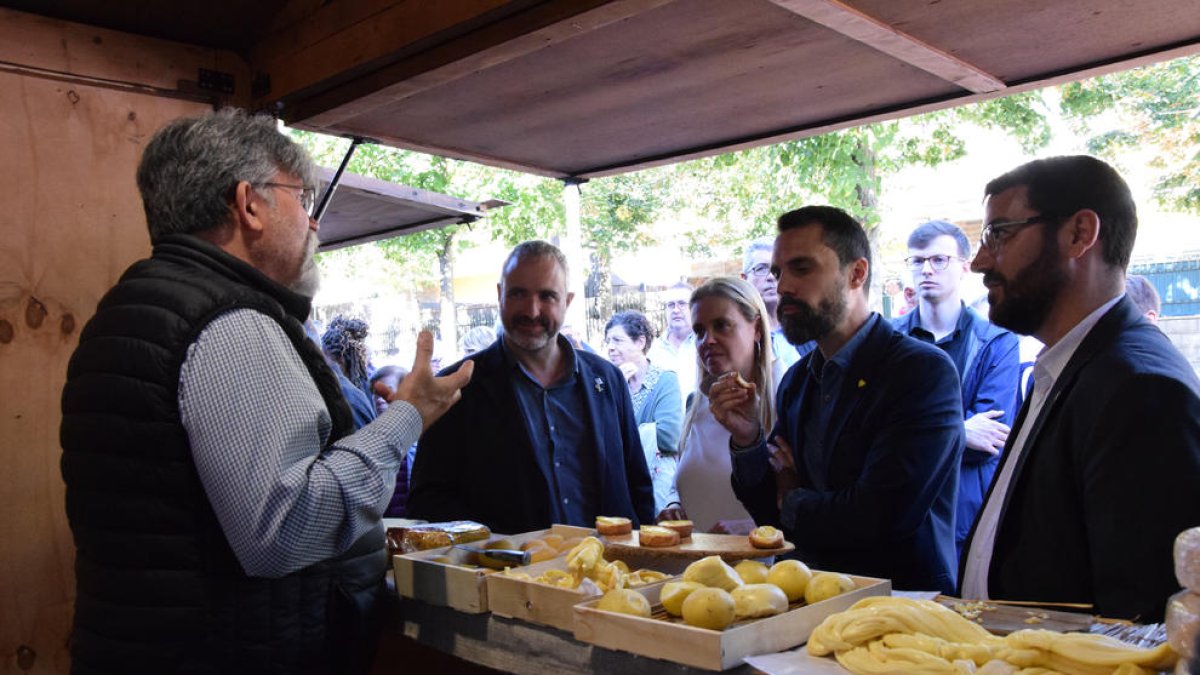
(477, 462)
(990, 381)
(881, 501)
(1109, 476)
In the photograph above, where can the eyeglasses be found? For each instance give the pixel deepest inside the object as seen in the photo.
(760, 270)
(995, 234)
(675, 304)
(938, 262)
(307, 197)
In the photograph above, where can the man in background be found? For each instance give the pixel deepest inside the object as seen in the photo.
(984, 355)
(675, 350)
(545, 433)
(756, 268)
(1141, 292)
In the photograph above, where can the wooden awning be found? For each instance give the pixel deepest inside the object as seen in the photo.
(367, 209)
(595, 87)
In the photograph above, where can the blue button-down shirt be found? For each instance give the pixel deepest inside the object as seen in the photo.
(557, 420)
(819, 405)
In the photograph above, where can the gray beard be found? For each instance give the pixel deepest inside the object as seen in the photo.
(309, 281)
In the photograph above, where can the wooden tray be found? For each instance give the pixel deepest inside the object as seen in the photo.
(420, 577)
(672, 559)
(664, 637)
(1004, 619)
(540, 603)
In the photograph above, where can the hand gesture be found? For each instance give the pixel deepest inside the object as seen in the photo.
(784, 464)
(985, 434)
(734, 405)
(431, 396)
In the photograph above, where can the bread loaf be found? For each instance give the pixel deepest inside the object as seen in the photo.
(436, 535)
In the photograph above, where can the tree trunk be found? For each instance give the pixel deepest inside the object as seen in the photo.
(448, 314)
(604, 295)
(868, 201)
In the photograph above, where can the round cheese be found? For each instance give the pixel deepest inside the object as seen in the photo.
(1183, 623)
(1187, 559)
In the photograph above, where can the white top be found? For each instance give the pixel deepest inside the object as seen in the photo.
(1046, 371)
(680, 360)
(706, 467)
(703, 476)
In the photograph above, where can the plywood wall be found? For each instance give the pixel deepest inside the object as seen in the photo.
(70, 223)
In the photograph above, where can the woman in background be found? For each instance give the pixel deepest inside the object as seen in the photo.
(656, 399)
(733, 336)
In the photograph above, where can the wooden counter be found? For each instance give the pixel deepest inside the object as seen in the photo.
(505, 644)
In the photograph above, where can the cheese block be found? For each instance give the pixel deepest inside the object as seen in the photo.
(1183, 623)
(1187, 559)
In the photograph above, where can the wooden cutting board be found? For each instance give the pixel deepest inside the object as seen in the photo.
(1005, 619)
(731, 547)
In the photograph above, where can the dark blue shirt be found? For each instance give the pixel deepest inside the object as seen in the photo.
(954, 344)
(827, 377)
(563, 443)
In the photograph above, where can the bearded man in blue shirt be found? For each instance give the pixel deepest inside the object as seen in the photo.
(861, 469)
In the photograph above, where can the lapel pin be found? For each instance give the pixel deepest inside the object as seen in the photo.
(862, 383)
(599, 386)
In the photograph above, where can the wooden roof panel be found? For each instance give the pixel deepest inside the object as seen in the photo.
(723, 70)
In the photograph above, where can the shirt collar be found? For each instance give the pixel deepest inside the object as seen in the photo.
(964, 321)
(1052, 360)
(563, 342)
(845, 355)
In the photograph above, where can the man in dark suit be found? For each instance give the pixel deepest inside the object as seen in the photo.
(1102, 468)
(862, 470)
(546, 434)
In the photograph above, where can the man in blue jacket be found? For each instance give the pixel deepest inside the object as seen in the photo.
(863, 475)
(546, 434)
(985, 355)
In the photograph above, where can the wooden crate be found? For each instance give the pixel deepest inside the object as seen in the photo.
(539, 603)
(668, 638)
(420, 577)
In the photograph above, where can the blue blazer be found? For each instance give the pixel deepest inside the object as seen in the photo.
(990, 381)
(1108, 478)
(477, 462)
(881, 500)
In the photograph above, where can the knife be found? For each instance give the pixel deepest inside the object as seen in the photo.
(503, 557)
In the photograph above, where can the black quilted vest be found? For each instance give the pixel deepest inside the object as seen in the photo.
(158, 588)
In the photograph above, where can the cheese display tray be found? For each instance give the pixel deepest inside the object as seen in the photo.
(419, 576)
(540, 603)
(731, 547)
(670, 639)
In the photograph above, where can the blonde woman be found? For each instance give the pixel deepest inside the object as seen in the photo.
(733, 338)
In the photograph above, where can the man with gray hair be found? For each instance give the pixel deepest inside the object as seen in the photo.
(226, 515)
(756, 268)
(544, 433)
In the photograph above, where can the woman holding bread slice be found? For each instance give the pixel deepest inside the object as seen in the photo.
(733, 339)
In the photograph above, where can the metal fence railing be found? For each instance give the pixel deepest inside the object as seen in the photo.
(1177, 283)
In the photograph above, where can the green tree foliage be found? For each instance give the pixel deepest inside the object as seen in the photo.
(1157, 107)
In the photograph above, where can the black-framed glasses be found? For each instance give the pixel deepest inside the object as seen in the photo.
(760, 270)
(996, 233)
(939, 262)
(307, 197)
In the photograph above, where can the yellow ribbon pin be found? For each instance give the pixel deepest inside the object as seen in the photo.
(862, 383)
